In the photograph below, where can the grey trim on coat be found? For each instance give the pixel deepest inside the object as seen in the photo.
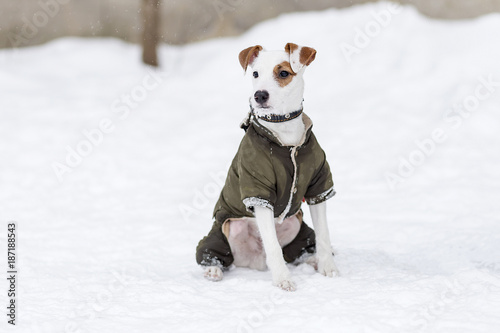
(321, 197)
(250, 203)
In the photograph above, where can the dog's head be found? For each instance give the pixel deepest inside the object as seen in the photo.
(278, 84)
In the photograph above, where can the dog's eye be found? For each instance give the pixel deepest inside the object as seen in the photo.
(255, 74)
(284, 74)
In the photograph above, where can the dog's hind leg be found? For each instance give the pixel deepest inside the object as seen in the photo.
(214, 254)
(213, 273)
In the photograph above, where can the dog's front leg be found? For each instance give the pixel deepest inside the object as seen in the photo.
(274, 253)
(326, 266)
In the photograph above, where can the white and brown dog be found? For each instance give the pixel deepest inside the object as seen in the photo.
(259, 235)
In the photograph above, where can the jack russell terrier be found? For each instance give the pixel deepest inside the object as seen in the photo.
(258, 220)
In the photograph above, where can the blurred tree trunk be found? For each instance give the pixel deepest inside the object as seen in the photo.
(150, 37)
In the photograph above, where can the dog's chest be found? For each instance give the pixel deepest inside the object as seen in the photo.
(294, 171)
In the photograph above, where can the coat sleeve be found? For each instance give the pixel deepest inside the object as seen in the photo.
(257, 179)
(321, 187)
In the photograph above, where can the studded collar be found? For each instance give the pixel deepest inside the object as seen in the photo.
(277, 118)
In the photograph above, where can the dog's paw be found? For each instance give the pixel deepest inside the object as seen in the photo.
(286, 285)
(213, 273)
(327, 267)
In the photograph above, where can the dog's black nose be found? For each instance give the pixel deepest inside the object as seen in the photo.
(261, 96)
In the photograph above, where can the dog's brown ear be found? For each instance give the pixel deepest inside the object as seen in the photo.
(300, 56)
(248, 55)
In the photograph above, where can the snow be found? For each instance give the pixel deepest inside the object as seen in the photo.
(108, 246)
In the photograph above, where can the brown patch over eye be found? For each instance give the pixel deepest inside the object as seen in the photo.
(283, 79)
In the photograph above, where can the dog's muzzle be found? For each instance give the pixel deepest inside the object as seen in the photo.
(261, 96)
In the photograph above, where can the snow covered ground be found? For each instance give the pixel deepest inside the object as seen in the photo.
(111, 172)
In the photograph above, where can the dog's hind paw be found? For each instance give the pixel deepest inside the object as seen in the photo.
(213, 273)
(287, 285)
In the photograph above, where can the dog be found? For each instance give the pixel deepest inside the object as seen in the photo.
(279, 164)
